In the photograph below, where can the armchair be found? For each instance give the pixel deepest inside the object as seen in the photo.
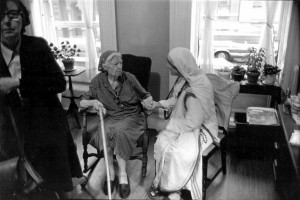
(140, 67)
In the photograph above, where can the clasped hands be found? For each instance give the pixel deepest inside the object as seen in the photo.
(148, 103)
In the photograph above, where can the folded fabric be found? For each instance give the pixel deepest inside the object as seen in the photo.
(296, 117)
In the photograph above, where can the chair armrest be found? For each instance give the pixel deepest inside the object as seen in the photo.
(221, 136)
(82, 110)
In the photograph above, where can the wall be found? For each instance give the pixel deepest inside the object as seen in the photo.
(143, 30)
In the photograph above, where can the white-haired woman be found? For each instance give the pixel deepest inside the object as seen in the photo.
(120, 94)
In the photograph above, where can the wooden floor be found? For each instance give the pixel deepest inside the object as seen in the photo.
(246, 179)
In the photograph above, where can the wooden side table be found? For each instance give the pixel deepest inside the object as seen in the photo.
(254, 141)
(73, 108)
(273, 91)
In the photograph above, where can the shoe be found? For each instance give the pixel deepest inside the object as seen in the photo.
(124, 190)
(174, 196)
(112, 186)
(153, 192)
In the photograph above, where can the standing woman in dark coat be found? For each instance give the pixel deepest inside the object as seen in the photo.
(30, 79)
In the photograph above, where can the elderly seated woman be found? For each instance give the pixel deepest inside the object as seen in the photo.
(119, 94)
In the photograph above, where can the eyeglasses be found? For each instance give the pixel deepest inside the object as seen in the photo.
(12, 14)
(118, 101)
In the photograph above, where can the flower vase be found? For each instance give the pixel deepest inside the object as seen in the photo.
(270, 79)
(237, 77)
(252, 77)
(68, 64)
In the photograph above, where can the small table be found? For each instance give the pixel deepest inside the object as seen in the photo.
(73, 108)
(252, 137)
(274, 91)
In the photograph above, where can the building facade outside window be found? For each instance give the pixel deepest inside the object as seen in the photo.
(70, 26)
(237, 26)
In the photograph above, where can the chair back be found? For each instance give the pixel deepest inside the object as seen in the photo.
(224, 93)
(139, 66)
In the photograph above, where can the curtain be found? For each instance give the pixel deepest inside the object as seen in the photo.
(291, 57)
(267, 38)
(196, 24)
(87, 7)
(283, 30)
(44, 26)
(206, 49)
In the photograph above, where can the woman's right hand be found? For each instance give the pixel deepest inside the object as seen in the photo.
(97, 105)
(94, 103)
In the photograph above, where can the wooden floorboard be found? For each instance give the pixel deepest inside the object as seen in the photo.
(246, 179)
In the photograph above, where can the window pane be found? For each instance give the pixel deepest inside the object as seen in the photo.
(238, 25)
(70, 25)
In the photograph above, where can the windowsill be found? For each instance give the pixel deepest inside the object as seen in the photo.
(220, 63)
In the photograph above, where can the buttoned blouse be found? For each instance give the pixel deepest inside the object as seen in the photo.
(129, 93)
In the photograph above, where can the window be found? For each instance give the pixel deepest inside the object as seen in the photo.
(77, 21)
(70, 25)
(237, 26)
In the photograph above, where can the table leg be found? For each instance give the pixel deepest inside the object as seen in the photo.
(73, 108)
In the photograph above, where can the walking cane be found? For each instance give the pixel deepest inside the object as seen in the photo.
(105, 152)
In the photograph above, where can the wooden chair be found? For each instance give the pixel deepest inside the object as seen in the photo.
(224, 93)
(139, 66)
(207, 154)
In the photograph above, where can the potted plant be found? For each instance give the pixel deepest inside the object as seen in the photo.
(238, 73)
(225, 72)
(255, 60)
(270, 72)
(65, 53)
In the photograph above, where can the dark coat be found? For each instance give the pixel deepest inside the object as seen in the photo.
(41, 119)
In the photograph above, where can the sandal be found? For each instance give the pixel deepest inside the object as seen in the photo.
(174, 196)
(153, 192)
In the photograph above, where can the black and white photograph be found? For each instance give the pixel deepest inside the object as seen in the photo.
(150, 99)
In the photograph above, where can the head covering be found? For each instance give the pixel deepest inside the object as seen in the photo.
(199, 84)
(106, 56)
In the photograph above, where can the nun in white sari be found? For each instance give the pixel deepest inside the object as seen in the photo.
(178, 148)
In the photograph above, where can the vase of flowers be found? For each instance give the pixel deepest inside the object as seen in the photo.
(65, 53)
(270, 72)
(255, 60)
(238, 73)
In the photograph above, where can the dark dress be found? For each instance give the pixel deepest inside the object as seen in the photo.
(41, 119)
(123, 125)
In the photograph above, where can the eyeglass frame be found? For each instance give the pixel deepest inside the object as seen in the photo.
(9, 14)
(118, 101)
